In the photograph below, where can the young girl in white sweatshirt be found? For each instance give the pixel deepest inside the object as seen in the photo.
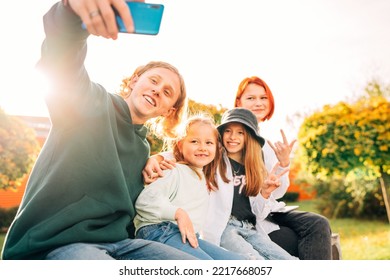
(172, 209)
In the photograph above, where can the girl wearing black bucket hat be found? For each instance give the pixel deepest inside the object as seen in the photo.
(303, 234)
(234, 218)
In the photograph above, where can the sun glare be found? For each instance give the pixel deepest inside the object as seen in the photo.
(27, 100)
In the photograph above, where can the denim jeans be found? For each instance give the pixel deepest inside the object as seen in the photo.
(242, 237)
(128, 249)
(169, 234)
(313, 234)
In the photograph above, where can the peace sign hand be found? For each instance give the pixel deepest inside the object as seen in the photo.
(272, 182)
(283, 149)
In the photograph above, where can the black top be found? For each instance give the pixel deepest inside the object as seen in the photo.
(241, 209)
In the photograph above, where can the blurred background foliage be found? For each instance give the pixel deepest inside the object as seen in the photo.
(344, 155)
(18, 150)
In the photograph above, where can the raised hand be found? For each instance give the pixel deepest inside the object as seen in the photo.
(99, 18)
(272, 182)
(282, 149)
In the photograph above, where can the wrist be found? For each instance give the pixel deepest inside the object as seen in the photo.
(265, 194)
(178, 213)
(284, 164)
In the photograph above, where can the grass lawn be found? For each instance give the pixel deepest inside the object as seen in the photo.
(359, 240)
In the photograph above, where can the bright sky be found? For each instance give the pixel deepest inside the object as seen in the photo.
(310, 52)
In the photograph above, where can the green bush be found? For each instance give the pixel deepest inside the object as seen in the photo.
(358, 199)
(290, 197)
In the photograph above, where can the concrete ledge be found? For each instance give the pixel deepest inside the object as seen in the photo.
(336, 248)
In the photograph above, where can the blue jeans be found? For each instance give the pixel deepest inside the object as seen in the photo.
(169, 234)
(128, 249)
(303, 234)
(242, 237)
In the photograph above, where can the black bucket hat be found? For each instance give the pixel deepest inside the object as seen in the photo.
(245, 117)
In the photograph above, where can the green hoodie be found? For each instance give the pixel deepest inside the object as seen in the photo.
(88, 175)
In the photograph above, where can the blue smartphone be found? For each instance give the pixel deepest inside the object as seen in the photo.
(146, 17)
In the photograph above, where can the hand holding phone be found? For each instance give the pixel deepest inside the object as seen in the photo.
(146, 18)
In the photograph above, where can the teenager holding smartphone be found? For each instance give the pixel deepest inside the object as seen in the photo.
(80, 197)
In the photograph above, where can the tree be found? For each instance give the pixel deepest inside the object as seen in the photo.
(214, 111)
(18, 150)
(347, 138)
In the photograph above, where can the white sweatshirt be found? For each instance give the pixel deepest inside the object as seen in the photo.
(179, 188)
(221, 201)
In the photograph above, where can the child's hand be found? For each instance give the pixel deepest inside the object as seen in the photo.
(283, 149)
(272, 182)
(186, 228)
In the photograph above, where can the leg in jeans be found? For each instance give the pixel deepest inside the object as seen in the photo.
(244, 238)
(313, 231)
(233, 241)
(287, 239)
(169, 234)
(219, 253)
(128, 249)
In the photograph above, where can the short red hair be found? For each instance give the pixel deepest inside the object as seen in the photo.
(256, 80)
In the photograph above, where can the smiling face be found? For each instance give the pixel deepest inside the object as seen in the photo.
(153, 94)
(200, 145)
(233, 139)
(255, 98)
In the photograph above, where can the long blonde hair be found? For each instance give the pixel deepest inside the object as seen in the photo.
(161, 127)
(255, 171)
(210, 169)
